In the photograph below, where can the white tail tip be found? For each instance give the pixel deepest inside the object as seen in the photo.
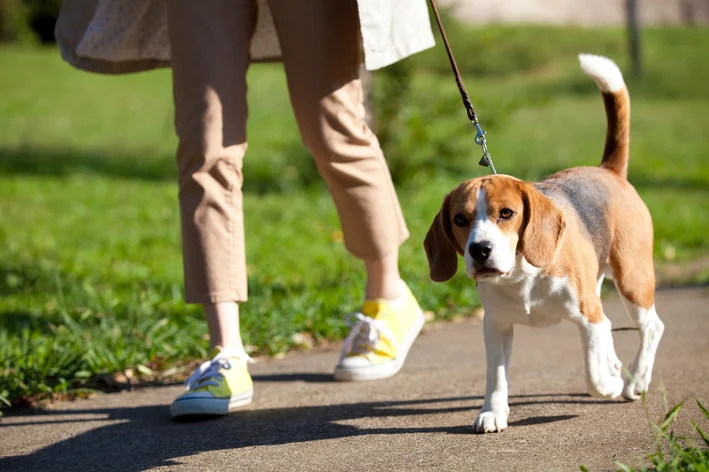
(603, 71)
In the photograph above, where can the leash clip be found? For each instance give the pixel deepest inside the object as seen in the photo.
(486, 160)
(480, 136)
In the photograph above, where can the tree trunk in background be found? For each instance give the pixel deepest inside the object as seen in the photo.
(634, 36)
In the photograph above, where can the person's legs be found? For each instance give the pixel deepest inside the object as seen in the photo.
(320, 42)
(210, 55)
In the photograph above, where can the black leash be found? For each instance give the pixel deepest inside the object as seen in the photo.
(486, 160)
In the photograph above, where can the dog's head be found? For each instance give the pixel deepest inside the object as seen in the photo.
(492, 222)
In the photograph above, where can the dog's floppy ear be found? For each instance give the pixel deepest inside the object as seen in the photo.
(544, 228)
(439, 245)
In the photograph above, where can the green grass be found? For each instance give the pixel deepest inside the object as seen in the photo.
(674, 452)
(90, 267)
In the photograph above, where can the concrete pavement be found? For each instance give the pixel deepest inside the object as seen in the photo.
(418, 420)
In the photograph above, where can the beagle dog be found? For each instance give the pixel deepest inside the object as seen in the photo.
(539, 253)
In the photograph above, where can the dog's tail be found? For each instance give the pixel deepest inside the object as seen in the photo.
(617, 101)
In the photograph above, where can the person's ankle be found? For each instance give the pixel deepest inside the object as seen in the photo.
(383, 279)
(235, 347)
(390, 290)
(223, 323)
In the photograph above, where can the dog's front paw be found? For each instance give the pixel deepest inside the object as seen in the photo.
(603, 368)
(607, 381)
(490, 422)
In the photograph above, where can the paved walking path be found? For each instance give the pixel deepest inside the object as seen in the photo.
(418, 420)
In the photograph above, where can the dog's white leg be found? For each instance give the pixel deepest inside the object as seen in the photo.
(603, 368)
(498, 350)
(637, 379)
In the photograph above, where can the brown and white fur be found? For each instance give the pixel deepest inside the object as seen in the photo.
(539, 253)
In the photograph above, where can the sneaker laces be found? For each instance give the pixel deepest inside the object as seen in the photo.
(366, 332)
(210, 372)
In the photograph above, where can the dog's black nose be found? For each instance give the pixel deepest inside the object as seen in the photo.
(480, 251)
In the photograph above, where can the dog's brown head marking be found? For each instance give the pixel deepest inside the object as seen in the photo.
(503, 216)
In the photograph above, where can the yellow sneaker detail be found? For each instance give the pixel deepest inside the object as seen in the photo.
(217, 386)
(380, 338)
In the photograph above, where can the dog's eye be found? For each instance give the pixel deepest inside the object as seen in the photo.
(460, 220)
(506, 213)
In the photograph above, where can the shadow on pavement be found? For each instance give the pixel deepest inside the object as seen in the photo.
(541, 420)
(306, 377)
(147, 437)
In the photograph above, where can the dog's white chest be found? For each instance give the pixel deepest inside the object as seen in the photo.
(538, 302)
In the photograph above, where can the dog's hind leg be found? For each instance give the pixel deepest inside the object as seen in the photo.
(635, 281)
(639, 302)
(637, 379)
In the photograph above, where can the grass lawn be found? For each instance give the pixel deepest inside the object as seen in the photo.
(90, 266)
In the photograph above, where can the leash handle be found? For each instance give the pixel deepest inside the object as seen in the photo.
(486, 160)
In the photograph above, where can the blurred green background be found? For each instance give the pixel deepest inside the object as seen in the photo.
(90, 263)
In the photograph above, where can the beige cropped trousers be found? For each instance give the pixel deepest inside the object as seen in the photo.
(320, 43)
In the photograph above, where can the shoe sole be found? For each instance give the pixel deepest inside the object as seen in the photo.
(389, 369)
(209, 406)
